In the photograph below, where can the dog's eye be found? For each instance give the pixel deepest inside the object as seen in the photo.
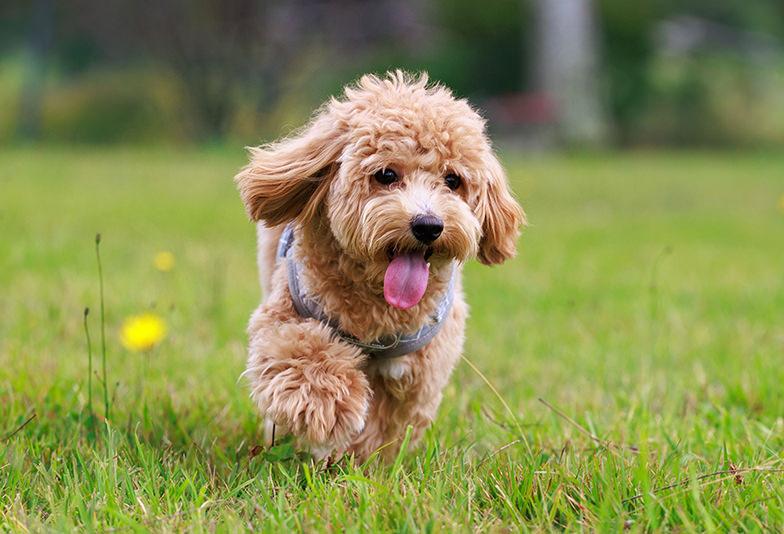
(452, 181)
(386, 176)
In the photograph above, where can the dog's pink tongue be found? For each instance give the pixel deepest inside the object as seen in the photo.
(405, 281)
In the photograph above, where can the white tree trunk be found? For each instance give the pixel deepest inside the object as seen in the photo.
(568, 68)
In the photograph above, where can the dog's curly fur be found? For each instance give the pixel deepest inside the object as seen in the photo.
(305, 379)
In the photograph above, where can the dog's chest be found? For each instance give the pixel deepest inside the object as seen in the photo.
(394, 368)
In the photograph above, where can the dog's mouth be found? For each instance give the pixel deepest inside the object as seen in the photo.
(405, 280)
(425, 252)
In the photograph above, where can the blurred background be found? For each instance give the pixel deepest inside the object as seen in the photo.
(547, 73)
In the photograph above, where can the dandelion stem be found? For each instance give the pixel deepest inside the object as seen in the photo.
(89, 362)
(103, 329)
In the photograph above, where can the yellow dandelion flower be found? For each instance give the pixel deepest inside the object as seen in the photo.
(164, 261)
(781, 202)
(142, 332)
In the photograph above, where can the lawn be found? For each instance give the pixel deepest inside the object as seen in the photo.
(632, 356)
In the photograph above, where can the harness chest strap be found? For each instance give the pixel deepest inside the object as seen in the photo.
(384, 347)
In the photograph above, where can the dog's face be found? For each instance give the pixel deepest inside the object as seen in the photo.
(404, 175)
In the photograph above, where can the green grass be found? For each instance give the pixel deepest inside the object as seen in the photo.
(646, 306)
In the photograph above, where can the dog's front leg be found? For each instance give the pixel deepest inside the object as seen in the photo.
(307, 381)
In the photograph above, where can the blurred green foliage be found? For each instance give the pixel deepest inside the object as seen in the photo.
(107, 106)
(627, 48)
(711, 97)
(483, 50)
(214, 71)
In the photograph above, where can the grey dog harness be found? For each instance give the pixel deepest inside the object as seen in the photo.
(390, 346)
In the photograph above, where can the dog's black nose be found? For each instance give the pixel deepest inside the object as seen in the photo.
(426, 228)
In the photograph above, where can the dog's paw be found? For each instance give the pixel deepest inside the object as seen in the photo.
(325, 410)
(314, 387)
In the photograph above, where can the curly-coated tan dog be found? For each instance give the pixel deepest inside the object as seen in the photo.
(365, 218)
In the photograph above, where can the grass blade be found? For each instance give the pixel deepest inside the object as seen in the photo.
(103, 329)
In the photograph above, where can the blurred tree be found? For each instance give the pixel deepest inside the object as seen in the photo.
(225, 50)
(567, 65)
(214, 47)
(480, 48)
(627, 49)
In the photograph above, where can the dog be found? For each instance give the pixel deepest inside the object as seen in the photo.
(365, 218)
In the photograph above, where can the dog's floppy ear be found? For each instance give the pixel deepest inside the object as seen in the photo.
(288, 179)
(500, 214)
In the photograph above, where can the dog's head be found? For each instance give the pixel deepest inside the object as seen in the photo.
(403, 174)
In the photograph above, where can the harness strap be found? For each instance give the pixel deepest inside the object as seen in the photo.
(391, 346)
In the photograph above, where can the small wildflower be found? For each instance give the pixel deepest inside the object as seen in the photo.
(142, 332)
(781, 202)
(164, 261)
